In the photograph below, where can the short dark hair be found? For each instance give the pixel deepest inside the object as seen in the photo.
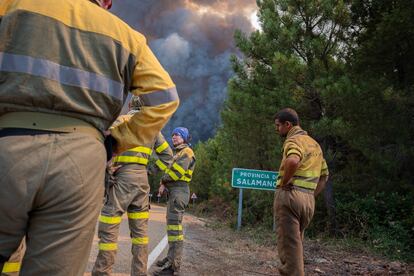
(287, 115)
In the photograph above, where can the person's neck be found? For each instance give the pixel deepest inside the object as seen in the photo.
(295, 130)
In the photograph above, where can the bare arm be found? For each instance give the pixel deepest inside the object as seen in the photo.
(321, 185)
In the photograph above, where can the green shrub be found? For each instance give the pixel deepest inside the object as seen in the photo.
(383, 222)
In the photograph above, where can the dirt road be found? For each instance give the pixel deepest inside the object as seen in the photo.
(214, 249)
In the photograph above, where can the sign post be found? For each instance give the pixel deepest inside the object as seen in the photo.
(240, 210)
(251, 179)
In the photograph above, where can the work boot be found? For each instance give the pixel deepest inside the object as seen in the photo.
(161, 263)
(166, 269)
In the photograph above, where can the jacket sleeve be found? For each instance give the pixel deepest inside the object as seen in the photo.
(324, 170)
(291, 147)
(179, 166)
(159, 95)
(4, 6)
(163, 153)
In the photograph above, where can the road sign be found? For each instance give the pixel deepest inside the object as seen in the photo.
(253, 179)
(193, 197)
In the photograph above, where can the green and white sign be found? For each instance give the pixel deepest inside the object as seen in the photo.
(253, 179)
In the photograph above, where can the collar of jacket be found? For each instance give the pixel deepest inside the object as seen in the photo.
(180, 147)
(296, 130)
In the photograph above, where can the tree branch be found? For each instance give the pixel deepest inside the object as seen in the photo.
(298, 52)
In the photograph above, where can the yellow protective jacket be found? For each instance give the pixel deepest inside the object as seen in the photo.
(163, 153)
(73, 58)
(141, 154)
(312, 164)
(182, 167)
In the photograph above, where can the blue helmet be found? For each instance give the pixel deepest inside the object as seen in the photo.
(183, 132)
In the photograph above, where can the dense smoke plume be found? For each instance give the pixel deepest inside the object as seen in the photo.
(193, 39)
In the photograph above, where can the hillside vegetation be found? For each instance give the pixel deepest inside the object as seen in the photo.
(347, 68)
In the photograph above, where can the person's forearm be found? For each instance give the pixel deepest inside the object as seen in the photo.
(290, 167)
(161, 189)
(321, 185)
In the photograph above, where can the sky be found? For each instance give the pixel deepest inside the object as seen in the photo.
(193, 39)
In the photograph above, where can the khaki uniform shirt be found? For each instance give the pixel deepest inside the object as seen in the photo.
(312, 164)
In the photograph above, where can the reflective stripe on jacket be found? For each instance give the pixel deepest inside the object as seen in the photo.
(141, 154)
(163, 153)
(72, 57)
(182, 167)
(137, 155)
(312, 164)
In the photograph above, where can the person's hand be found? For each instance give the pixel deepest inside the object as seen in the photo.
(287, 187)
(115, 168)
(161, 189)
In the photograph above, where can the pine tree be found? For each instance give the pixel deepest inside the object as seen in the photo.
(295, 60)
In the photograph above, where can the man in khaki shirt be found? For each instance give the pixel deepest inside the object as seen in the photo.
(302, 175)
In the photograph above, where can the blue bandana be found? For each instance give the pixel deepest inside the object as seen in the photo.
(183, 132)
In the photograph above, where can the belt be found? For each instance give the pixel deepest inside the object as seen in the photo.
(44, 122)
(300, 189)
(4, 132)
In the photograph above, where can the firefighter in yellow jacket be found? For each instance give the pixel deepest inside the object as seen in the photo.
(65, 68)
(129, 194)
(176, 180)
(302, 175)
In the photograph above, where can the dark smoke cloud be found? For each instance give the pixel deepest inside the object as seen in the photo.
(193, 39)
